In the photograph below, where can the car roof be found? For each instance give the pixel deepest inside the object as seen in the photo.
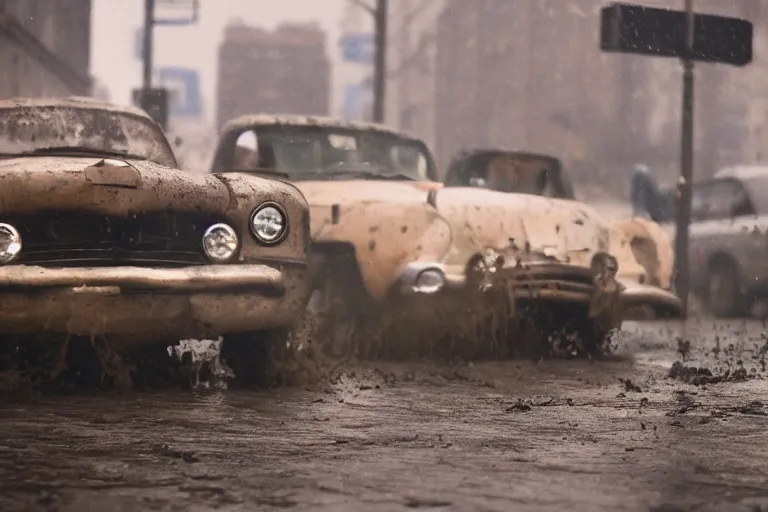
(245, 121)
(743, 172)
(82, 102)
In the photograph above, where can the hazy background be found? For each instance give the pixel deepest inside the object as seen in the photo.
(113, 38)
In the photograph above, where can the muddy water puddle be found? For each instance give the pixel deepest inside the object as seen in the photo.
(576, 435)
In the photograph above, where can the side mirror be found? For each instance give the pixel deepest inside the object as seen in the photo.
(178, 141)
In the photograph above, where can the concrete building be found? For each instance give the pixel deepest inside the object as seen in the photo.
(284, 71)
(44, 47)
(411, 66)
(529, 74)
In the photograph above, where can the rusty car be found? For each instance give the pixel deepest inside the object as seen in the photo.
(728, 235)
(396, 252)
(103, 240)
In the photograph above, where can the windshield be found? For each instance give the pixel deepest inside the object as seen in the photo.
(311, 153)
(35, 130)
(510, 172)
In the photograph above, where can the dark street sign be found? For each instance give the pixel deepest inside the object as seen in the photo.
(628, 28)
(154, 102)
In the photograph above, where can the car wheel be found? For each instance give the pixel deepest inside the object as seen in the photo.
(724, 297)
(255, 358)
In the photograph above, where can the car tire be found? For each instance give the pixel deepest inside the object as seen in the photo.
(724, 296)
(255, 358)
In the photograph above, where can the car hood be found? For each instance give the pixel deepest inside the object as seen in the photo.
(108, 186)
(516, 224)
(388, 223)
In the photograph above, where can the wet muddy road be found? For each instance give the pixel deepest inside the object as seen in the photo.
(558, 435)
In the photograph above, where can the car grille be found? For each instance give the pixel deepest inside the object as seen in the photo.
(67, 239)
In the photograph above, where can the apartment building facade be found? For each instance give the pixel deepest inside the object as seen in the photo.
(530, 74)
(285, 71)
(45, 48)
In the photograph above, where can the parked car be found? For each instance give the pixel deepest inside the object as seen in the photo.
(102, 237)
(728, 235)
(396, 253)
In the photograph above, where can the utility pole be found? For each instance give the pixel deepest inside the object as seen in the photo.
(380, 16)
(685, 184)
(149, 23)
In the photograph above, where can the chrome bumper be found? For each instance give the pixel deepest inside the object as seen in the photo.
(207, 279)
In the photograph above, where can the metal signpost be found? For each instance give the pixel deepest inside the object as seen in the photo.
(637, 29)
(155, 101)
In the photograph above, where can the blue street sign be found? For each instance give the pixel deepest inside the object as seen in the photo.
(357, 48)
(184, 86)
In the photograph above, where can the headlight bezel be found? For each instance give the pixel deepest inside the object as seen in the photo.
(252, 228)
(231, 231)
(14, 233)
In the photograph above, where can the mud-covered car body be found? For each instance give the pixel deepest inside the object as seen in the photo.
(102, 236)
(405, 248)
(538, 210)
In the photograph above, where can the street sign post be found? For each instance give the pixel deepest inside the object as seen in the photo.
(628, 28)
(154, 102)
(637, 29)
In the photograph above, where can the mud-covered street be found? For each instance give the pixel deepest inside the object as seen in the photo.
(577, 435)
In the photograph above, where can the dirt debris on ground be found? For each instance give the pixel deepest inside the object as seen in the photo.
(617, 434)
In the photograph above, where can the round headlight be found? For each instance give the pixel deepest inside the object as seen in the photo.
(268, 223)
(220, 243)
(429, 281)
(10, 243)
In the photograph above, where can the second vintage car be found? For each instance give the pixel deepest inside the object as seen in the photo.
(104, 240)
(400, 258)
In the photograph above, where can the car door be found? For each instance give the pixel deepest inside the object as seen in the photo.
(725, 224)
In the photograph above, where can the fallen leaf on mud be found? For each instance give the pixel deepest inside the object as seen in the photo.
(519, 406)
(426, 503)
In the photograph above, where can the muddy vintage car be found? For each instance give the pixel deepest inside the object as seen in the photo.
(103, 238)
(395, 253)
(642, 247)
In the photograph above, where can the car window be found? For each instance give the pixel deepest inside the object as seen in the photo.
(700, 202)
(718, 200)
(27, 130)
(312, 153)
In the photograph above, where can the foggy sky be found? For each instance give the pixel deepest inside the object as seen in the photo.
(114, 24)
